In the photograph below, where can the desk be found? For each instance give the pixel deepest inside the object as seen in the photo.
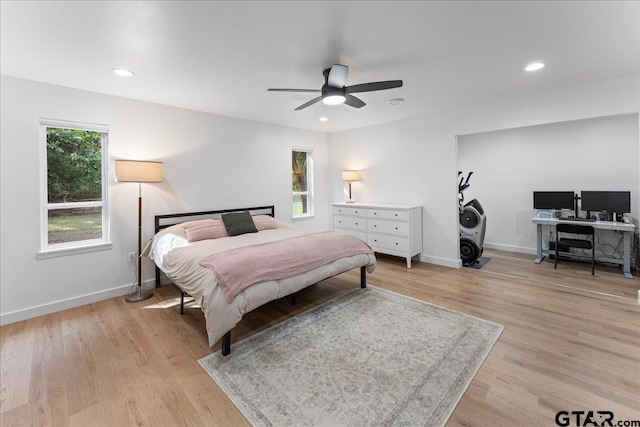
(626, 229)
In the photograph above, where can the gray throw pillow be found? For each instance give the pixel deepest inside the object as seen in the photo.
(238, 223)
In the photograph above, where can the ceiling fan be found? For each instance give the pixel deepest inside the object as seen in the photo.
(335, 92)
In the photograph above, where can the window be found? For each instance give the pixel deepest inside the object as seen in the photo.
(302, 178)
(74, 187)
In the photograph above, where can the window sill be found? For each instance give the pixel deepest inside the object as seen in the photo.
(58, 252)
(303, 218)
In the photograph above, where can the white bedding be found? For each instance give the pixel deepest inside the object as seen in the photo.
(179, 260)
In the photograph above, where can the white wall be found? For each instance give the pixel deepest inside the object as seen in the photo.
(415, 160)
(217, 162)
(508, 165)
(211, 162)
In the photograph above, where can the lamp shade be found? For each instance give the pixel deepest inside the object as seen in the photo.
(138, 171)
(351, 176)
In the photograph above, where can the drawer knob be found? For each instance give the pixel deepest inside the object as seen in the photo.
(396, 228)
(340, 222)
(375, 240)
(396, 243)
(356, 223)
(396, 214)
(356, 212)
(375, 213)
(374, 225)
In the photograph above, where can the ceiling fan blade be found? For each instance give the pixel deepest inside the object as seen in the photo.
(353, 101)
(306, 104)
(369, 87)
(338, 76)
(294, 90)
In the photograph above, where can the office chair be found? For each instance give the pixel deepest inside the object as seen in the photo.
(585, 230)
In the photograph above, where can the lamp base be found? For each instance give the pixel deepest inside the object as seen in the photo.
(139, 295)
(350, 201)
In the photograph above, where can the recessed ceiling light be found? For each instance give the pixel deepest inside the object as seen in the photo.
(534, 66)
(396, 101)
(122, 72)
(323, 119)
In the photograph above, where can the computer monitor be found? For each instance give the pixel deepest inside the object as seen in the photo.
(610, 201)
(553, 199)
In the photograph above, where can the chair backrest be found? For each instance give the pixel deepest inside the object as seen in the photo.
(575, 229)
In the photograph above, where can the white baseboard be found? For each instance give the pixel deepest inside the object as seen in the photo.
(509, 248)
(457, 263)
(445, 262)
(53, 307)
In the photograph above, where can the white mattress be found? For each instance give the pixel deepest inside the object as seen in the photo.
(180, 259)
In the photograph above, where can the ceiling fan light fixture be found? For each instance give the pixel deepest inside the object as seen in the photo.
(333, 95)
(333, 99)
(334, 91)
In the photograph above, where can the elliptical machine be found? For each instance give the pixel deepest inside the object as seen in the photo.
(473, 224)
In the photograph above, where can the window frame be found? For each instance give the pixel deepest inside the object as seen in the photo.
(309, 192)
(48, 250)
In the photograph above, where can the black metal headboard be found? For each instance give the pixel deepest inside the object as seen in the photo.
(164, 221)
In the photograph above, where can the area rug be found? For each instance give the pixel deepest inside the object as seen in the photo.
(368, 358)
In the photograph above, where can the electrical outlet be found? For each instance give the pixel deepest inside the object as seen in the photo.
(131, 257)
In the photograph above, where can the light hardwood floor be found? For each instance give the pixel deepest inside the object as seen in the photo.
(115, 363)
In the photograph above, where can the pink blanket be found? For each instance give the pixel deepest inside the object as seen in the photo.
(237, 269)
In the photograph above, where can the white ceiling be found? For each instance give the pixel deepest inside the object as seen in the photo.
(220, 57)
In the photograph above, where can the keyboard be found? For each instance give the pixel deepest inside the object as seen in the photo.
(578, 219)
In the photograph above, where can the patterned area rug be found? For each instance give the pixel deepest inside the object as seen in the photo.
(371, 357)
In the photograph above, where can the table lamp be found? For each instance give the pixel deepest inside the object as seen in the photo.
(139, 171)
(351, 176)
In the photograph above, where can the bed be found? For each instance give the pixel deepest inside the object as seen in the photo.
(192, 248)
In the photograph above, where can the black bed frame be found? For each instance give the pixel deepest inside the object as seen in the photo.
(164, 221)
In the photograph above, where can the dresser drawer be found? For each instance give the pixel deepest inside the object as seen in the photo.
(387, 214)
(340, 221)
(339, 210)
(394, 243)
(388, 227)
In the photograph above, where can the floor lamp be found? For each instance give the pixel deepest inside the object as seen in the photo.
(139, 171)
(351, 176)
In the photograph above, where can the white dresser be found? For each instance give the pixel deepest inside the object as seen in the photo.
(391, 229)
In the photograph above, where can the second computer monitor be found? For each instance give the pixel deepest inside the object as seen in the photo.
(610, 201)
